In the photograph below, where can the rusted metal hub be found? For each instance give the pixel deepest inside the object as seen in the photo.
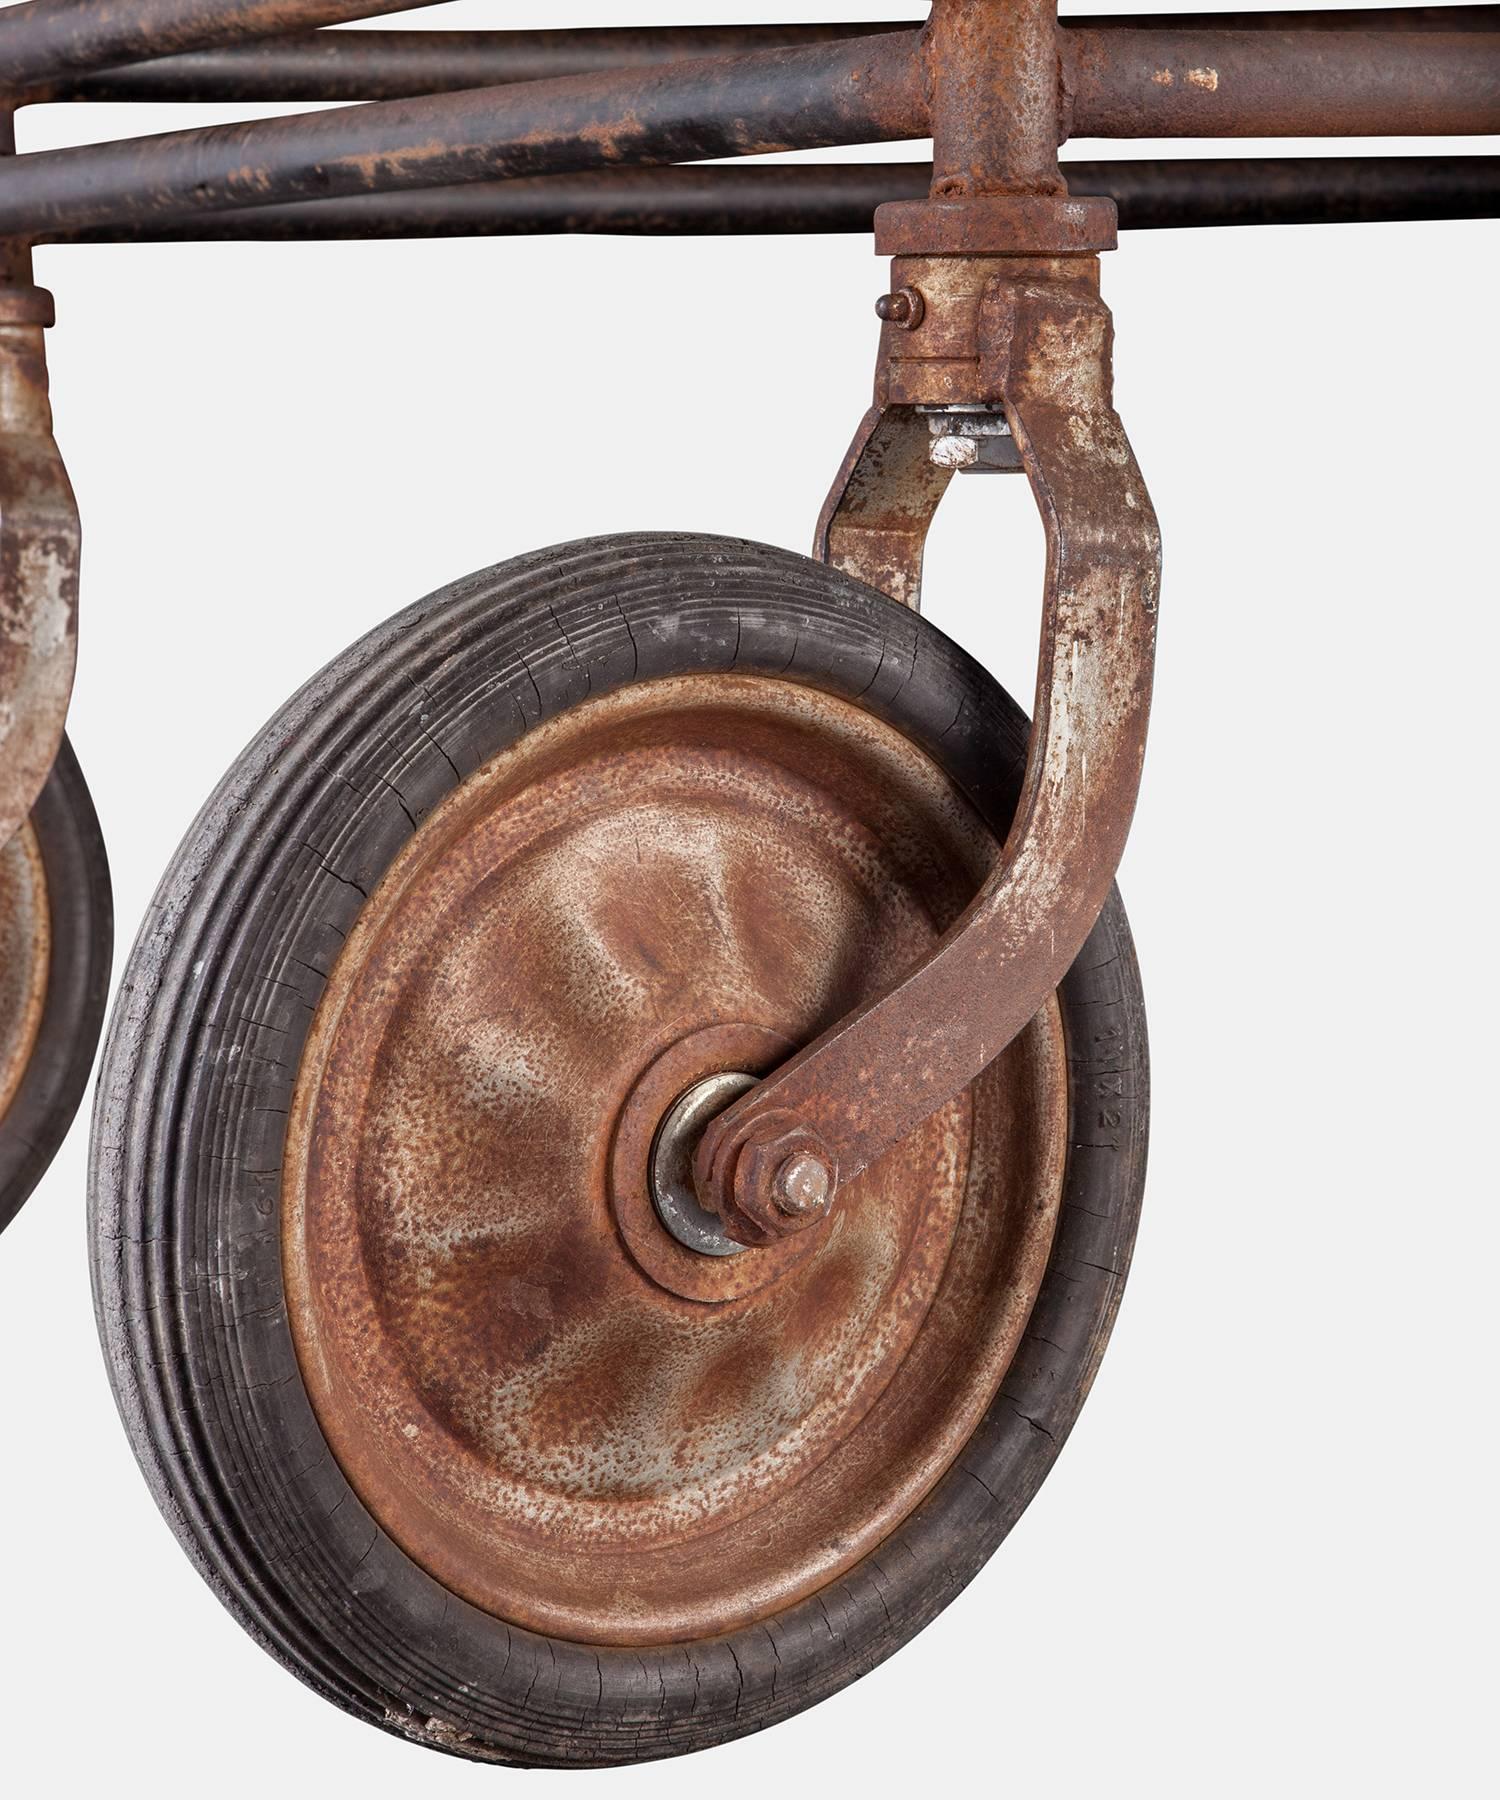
(25, 956)
(802, 1188)
(700, 1060)
(554, 1401)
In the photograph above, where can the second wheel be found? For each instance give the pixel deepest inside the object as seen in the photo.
(56, 942)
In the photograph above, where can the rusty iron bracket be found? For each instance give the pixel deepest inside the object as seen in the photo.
(39, 554)
(1025, 331)
(39, 539)
(874, 523)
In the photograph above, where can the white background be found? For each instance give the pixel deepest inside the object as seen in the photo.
(1264, 1563)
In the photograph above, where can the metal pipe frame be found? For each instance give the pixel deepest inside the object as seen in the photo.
(863, 90)
(994, 308)
(1115, 82)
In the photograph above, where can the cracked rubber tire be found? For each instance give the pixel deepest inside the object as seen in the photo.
(206, 1059)
(62, 842)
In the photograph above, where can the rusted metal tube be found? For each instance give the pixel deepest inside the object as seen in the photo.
(1122, 84)
(1314, 190)
(682, 201)
(990, 135)
(48, 39)
(343, 66)
(1173, 194)
(1347, 18)
(842, 197)
(863, 90)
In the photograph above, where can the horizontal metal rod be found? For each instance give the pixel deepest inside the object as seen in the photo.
(841, 197)
(47, 40)
(863, 90)
(1187, 83)
(1124, 84)
(348, 66)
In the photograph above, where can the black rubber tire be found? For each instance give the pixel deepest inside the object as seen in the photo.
(82, 911)
(202, 1059)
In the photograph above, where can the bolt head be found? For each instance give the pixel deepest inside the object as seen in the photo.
(803, 1186)
(905, 308)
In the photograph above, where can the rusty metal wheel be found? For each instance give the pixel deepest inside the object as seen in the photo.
(56, 940)
(434, 1370)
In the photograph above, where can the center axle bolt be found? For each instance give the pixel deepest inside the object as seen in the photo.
(782, 1177)
(804, 1185)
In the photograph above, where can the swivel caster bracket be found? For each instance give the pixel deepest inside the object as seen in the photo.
(995, 301)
